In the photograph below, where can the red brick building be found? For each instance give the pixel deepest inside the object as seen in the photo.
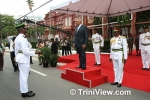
(65, 22)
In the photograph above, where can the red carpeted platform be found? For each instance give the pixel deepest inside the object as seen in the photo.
(93, 76)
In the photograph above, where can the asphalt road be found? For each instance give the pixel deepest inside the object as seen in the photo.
(48, 85)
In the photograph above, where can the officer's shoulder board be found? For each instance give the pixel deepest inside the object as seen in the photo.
(123, 37)
(24, 36)
(112, 38)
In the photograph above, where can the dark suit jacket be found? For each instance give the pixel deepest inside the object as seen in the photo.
(54, 47)
(81, 37)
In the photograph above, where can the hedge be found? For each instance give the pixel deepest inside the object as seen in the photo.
(33, 44)
(106, 47)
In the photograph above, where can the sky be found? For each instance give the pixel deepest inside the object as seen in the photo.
(18, 8)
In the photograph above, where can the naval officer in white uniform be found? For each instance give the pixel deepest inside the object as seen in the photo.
(118, 55)
(98, 42)
(144, 46)
(22, 57)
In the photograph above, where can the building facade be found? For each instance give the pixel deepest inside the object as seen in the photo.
(66, 22)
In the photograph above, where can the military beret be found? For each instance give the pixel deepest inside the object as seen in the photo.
(116, 29)
(145, 27)
(20, 26)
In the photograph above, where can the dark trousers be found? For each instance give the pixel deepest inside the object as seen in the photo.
(12, 56)
(1, 61)
(82, 57)
(31, 59)
(69, 50)
(64, 49)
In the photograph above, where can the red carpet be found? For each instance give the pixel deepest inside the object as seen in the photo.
(134, 77)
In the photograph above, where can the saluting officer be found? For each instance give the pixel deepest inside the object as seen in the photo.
(118, 55)
(23, 53)
(98, 42)
(144, 46)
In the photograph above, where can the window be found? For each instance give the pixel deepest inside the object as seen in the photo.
(69, 21)
(66, 22)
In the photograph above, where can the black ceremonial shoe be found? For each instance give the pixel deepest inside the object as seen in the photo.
(30, 91)
(83, 68)
(115, 83)
(28, 94)
(143, 68)
(119, 85)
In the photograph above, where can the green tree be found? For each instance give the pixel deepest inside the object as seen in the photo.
(40, 29)
(143, 16)
(30, 4)
(7, 25)
(97, 20)
(30, 31)
(53, 30)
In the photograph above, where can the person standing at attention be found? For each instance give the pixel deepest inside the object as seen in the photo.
(80, 42)
(118, 55)
(144, 46)
(22, 57)
(98, 42)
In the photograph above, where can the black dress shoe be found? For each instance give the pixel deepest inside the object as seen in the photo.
(119, 85)
(40, 64)
(115, 83)
(83, 68)
(147, 69)
(30, 91)
(28, 94)
(1, 69)
(143, 68)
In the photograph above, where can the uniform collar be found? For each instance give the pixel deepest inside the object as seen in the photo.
(22, 35)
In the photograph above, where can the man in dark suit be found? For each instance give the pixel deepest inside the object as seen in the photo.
(80, 42)
(54, 46)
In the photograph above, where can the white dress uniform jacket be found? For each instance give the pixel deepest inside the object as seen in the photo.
(22, 45)
(118, 53)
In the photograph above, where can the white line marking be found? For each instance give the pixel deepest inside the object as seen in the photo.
(38, 72)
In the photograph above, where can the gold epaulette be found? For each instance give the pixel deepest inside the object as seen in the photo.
(112, 40)
(123, 37)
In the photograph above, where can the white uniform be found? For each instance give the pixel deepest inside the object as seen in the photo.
(118, 53)
(97, 41)
(144, 46)
(23, 53)
(11, 49)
